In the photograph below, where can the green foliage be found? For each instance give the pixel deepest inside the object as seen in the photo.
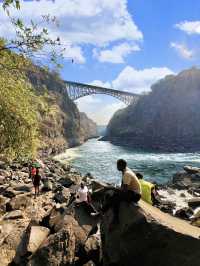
(32, 39)
(8, 3)
(18, 117)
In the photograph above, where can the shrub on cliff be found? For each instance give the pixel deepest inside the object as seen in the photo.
(18, 121)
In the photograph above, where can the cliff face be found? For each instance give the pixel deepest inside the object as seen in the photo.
(88, 127)
(61, 124)
(167, 119)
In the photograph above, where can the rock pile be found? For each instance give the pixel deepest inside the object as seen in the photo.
(45, 230)
(52, 230)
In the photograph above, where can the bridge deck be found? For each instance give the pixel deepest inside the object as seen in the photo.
(101, 88)
(77, 90)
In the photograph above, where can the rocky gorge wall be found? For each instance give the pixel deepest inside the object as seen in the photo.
(167, 119)
(61, 125)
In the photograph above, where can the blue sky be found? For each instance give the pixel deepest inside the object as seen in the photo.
(123, 44)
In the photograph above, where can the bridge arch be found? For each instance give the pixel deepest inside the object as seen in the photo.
(77, 90)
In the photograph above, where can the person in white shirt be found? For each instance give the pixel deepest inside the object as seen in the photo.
(82, 195)
(83, 198)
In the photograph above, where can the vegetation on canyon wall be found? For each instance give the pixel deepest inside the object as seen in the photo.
(18, 120)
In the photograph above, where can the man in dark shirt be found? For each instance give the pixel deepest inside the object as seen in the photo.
(36, 182)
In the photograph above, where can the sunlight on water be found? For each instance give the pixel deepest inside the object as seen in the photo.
(99, 158)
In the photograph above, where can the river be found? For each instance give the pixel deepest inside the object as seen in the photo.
(99, 158)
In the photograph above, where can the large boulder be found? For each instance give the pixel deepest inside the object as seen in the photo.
(96, 184)
(3, 202)
(191, 170)
(11, 238)
(66, 182)
(23, 187)
(13, 215)
(58, 249)
(19, 202)
(71, 243)
(63, 196)
(194, 202)
(37, 236)
(184, 180)
(146, 236)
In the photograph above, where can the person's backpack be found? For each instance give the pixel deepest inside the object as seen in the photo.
(33, 171)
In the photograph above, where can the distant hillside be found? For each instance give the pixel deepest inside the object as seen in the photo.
(88, 127)
(167, 119)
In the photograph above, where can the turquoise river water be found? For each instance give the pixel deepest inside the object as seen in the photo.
(99, 158)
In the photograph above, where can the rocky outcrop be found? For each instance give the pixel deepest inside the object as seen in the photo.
(61, 124)
(187, 179)
(167, 119)
(45, 230)
(146, 236)
(53, 230)
(89, 128)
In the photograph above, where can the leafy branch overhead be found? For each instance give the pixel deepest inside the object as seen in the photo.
(32, 39)
(8, 3)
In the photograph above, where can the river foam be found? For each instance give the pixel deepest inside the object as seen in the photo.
(99, 158)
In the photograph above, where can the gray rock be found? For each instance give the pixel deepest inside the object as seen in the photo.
(145, 239)
(13, 215)
(59, 249)
(47, 185)
(37, 236)
(191, 170)
(63, 196)
(2, 180)
(96, 184)
(3, 202)
(19, 202)
(5, 173)
(23, 187)
(9, 193)
(66, 182)
(194, 202)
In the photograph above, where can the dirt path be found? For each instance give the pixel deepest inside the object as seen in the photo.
(174, 223)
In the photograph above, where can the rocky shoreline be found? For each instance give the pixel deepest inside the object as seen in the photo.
(51, 230)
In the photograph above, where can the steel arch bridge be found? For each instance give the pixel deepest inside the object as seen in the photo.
(77, 90)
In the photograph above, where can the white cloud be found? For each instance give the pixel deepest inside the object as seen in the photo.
(183, 50)
(76, 53)
(104, 116)
(100, 83)
(190, 27)
(117, 54)
(138, 81)
(94, 22)
(98, 108)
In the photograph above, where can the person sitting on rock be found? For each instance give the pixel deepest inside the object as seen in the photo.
(36, 182)
(148, 190)
(83, 198)
(130, 191)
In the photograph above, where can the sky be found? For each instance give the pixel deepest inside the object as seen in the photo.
(120, 44)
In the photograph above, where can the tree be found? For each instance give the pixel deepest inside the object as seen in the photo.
(18, 102)
(18, 120)
(32, 40)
